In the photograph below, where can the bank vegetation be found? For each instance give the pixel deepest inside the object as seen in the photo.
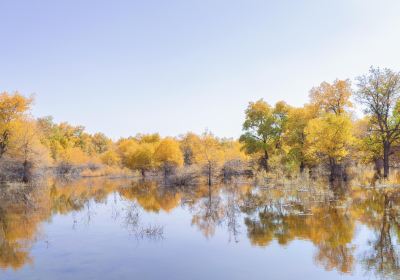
(325, 137)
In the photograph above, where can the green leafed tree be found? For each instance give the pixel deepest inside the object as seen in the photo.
(263, 128)
(379, 92)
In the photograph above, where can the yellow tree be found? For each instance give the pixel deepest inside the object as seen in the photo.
(100, 142)
(148, 138)
(295, 137)
(26, 146)
(67, 143)
(332, 98)
(142, 158)
(208, 153)
(233, 150)
(329, 138)
(188, 145)
(110, 158)
(12, 108)
(234, 158)
(168, 155)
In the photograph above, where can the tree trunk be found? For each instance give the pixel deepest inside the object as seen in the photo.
(166, 171)
(332, 169)
(337, 171)
(386, 153)
(264, 161)
(378, 167)
(4, 143)
(302, 167)
(143, 171)
(26, 176)
(209, 175)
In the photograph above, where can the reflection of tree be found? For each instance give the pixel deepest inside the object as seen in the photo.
(209, 213)
(217, 205)
(232, 212)
(383, 257)
(287, 216)
(22, 209)
(151, 197)
(19, 217)
(324, 217)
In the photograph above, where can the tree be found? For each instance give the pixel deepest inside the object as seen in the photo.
(263, 128)
(188, 143)
(142, 158)
(234, 158)
(125, 148)
(332, 98)
(168, 155)
(26, 146)
(379, 92)
(368, 144)
(329, 138)
(100, 142)
(208, 153)
(12, 108)
(148, 138)
(110, 158)
(295, 136)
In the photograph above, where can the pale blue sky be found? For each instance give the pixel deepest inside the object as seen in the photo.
(123, 67)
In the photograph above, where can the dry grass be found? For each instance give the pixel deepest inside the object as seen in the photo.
(109, 171)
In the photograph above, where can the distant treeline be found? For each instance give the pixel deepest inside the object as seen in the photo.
(323, 134)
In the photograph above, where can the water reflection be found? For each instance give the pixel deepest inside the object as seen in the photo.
(381, 212)
(325, 216)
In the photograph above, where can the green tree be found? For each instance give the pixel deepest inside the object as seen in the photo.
(263, 128)
(379, 92)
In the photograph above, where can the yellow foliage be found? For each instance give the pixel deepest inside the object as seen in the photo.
(25, 143)
(329, 136)
(332, 98)
(12, 108)
(125, 149)
(233, 150)
(13, 105)
(74, 156)
(208, 150)
(142, 158)
(110, 158)
(168, 152)
(106, 171)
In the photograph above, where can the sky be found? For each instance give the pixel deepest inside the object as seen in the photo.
(128, 67)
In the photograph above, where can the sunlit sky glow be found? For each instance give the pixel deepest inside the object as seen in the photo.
(123, 67)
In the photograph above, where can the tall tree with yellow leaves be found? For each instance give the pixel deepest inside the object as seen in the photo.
(168, 155)
(332, 98)
(329, 138)
(208, 153)
(12, 108)
(295, 136)
(26, 146)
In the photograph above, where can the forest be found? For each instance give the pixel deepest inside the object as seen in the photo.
(346, 127)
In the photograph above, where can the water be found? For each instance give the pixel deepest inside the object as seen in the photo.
(110, 229)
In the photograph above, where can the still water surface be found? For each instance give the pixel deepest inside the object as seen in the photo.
(112, 229)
